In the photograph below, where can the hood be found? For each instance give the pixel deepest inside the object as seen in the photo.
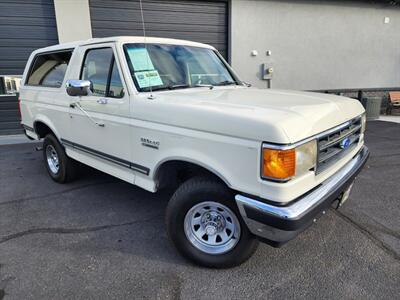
(274, 116)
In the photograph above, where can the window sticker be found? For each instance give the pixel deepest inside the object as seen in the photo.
(140, 59)
(148, 78)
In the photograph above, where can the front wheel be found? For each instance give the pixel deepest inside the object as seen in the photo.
(205, 226)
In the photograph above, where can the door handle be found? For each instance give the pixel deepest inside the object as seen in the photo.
(102, 101)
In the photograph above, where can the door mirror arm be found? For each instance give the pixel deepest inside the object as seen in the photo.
(80, 88)
(78, 105)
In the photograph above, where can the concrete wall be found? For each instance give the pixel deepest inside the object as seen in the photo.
(73, 20)
(316, 45)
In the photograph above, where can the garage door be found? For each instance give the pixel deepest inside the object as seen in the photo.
(25, 25)
(200, 21)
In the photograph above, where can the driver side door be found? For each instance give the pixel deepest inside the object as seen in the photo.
(100, 131)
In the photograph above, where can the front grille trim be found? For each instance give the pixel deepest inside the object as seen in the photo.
(339, 139)
(329, 150)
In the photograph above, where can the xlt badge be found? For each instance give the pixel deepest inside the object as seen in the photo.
(150, 143)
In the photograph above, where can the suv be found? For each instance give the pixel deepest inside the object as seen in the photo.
(245, 164)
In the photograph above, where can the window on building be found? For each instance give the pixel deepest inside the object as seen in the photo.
(106, 82)
(13, 85)
(9, 85)
(49, 69)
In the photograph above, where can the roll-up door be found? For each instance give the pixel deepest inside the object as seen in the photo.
(200, 21)
(25, 25)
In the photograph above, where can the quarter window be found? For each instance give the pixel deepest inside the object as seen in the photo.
(101, 70)
(49, 69)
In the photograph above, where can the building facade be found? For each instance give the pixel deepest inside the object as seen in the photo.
(306, 45)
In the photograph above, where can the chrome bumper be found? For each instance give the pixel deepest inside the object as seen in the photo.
(279, 224)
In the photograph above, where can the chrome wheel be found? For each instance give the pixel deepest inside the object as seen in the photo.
(52, 159)
(212, 227)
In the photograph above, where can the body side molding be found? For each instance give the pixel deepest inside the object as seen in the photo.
(113, 159)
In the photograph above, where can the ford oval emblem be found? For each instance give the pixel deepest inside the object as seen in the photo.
(345, 143)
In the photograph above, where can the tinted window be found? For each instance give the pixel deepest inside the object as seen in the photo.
(49, 69)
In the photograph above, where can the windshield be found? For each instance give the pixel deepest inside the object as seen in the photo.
(161, 67)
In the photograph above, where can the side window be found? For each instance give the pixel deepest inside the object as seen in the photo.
(100, 68)
(49, 69)
(116, 89)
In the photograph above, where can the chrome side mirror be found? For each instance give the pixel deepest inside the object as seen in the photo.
(79, 87)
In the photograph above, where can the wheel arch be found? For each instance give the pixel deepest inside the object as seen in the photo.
(42, 126)
(171, 168)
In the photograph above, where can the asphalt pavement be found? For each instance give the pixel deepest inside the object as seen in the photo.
(101, 238)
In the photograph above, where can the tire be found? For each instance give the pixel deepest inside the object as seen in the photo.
(211, 200)
(60, 167)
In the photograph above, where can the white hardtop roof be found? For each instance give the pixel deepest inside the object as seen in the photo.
(124, 39)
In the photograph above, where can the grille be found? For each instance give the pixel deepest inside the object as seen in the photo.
(336, 143)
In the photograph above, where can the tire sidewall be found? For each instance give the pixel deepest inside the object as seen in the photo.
(183, 201)
(52, 140)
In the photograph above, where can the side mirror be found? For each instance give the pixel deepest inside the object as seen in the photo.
(78, 87)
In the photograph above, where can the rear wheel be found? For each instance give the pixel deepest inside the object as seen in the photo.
(205, 226)
(60, 167)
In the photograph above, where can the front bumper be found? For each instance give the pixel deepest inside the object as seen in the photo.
(277, 225)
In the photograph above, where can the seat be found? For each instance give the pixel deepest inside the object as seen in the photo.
(394, 101)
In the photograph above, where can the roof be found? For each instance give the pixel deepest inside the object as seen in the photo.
(124, 39)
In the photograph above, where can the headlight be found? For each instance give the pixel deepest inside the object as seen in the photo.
(306, 157)
(363, 122)
(282, 165)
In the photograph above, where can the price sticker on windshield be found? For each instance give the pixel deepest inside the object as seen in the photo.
(148, 78)
(140, 59)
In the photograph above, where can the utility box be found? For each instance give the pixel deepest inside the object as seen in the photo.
(372, 107)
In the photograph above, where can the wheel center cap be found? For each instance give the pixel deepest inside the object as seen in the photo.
(211, 230)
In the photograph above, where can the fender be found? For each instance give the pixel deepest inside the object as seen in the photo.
(45, 120)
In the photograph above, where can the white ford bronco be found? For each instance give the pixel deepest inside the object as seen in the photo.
(245, 164)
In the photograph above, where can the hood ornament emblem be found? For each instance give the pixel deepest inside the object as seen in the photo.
(345, 143)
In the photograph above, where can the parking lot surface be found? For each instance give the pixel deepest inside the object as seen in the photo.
(102, 238)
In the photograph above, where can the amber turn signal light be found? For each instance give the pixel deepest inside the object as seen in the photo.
(279, 164)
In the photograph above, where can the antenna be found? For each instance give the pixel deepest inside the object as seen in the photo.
(141, 13)
(145, 45)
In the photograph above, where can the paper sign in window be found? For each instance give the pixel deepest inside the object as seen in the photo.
(148, 78)
(140, 59)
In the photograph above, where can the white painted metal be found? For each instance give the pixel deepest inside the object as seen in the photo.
(220, 129)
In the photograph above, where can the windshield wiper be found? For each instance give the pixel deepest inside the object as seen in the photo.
(226, 82)
(168, 87)
(177, 86)
(210, 86)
